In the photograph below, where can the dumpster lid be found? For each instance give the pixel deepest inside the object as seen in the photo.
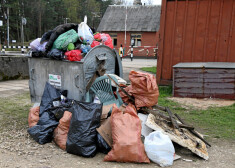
(98, 54)
(219, 65)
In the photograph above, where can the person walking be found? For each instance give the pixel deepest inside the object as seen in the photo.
(121, 51)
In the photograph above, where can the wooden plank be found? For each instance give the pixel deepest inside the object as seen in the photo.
(195, 31)
(189, 29)
(229, 80)
(219, 76)
(173, 39)
(220, 71)
(185, 139)
(179, 26)
(202, 70)
(184, 28)
(191, 80)
(186, 75)
(188, 70)
(225, 30)
(204, 90)
(231, 31)
(188, 84)
(231, 52)
(168, 40)
(189, 90)
(218, 32)
(212, 31)
(201, 31)
(219, 86)
(218, 91)
(161, 40)
(207, 30)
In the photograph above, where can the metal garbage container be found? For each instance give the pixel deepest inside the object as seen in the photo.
(71, 76)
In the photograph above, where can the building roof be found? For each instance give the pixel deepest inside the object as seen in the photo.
(139, 18)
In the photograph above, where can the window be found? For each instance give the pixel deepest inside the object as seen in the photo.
(136, 39)
(114, 38)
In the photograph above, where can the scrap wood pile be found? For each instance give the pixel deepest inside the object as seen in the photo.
(69, 42)
(131, 128)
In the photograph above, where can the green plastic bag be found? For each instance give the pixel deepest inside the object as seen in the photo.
(64, 39)
(71, 46)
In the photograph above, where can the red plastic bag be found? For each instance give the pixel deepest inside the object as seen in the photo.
(74, 55)
(126, 134)
(109, 42)
(61, 131)
(95, 43)
(97, 37)
(104, 38)
(33, 116)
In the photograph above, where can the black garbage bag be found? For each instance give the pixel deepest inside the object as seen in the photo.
(58, 31)
(103, 147)
(59, 110)
(50, 93)
(38, 54)
(82, 131)
(46, 36)
(56, 54)
(42, 132)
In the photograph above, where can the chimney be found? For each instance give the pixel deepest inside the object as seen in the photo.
(137, 2)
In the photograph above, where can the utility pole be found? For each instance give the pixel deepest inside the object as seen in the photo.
(23, 22)
(22, 32)
(8, 39)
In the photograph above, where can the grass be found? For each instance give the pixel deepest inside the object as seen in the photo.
(217, 122)
(150, 69)
(14, 111)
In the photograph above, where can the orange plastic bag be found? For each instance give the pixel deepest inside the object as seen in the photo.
(61, 131)
(33, 116)
(126, 134)
(144, 88)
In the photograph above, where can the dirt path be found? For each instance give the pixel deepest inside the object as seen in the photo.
(18, 150)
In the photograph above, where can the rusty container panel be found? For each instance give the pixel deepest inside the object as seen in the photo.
(204, 80)
(195, 31)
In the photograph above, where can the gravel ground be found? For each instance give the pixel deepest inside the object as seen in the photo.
(19, 150)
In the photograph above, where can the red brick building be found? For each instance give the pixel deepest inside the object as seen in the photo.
(139, 23)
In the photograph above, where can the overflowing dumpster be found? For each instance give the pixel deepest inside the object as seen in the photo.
(71, 76)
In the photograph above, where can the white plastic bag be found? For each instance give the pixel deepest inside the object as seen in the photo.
(85, 34)
(35, 45)
(145, 131)
(159, 148)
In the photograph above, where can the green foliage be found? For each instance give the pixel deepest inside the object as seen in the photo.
(44, 15)
(149, 69)
(217, 122)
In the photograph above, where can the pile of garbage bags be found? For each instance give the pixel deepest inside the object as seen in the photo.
(85, 128)
(69, 42)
